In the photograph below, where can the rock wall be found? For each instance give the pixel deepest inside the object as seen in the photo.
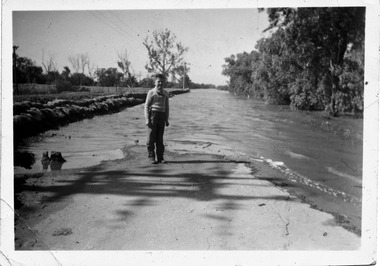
(31, 118)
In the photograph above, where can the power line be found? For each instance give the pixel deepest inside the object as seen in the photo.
(122, 22)
(118, 28)
(105, 22)
(114, 25)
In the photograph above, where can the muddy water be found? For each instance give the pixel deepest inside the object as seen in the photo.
(273, 133)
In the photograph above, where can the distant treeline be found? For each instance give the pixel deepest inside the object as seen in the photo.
(312, 60)
(25, 71)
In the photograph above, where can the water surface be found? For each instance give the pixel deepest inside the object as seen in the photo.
(247, 126)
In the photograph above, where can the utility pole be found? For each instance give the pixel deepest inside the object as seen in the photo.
(184, 75)
(14, 67)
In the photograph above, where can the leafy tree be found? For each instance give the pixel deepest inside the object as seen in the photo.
(271, 70)
(351, 94)
(321, 38)
(108, 77)
(52, 77)
(239, 69)
(27, 71)
(66, 73)
(313, 59)
(165, 55)
(80, 79)
(147, 83)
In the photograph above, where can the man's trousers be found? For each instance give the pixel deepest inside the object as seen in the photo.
(155, 135)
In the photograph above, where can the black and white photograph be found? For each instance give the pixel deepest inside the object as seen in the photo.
(189, 133)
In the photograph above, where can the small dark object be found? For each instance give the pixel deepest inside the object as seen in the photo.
(24, 159)
(56, 165)
(262, 204)
(63, 232)
(45, 160)
(57, 157)
(324, 234)
(45, 157)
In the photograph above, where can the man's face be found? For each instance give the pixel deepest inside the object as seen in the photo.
(159, 84)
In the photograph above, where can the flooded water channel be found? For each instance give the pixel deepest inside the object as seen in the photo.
(273, 133)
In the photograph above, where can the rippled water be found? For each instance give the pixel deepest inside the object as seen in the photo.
(245, 125)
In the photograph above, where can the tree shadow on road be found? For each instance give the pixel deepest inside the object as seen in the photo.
(144, 184)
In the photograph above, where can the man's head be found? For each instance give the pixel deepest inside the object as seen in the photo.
(160, 79)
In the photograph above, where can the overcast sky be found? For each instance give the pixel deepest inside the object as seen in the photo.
(210, 34)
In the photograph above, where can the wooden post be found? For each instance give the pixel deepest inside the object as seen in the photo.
(14, 67)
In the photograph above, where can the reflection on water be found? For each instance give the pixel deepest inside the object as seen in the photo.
(245, 125)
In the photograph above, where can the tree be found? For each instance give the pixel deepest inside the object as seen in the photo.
(147, 82)
(49, 65)
(108, 77)
(179, 72)
(313, 59)
(321, 38)
(27, 71)
(80, 79)
(187, 82)
(52, 77)
(124, 64)
(239, 69)
(79, 63)
(75, 64)
(165, 55)
(66, 73)
(273, 69)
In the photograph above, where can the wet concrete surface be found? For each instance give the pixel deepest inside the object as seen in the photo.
(193, 202)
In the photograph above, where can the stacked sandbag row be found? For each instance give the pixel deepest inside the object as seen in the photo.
(31, 118)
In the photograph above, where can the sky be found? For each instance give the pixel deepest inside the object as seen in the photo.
(210, 34)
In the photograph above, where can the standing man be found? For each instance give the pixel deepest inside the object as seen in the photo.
(156, 118)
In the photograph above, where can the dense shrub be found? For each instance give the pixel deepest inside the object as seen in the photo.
(63, 85)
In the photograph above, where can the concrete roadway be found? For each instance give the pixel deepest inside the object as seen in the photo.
(193, 202)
